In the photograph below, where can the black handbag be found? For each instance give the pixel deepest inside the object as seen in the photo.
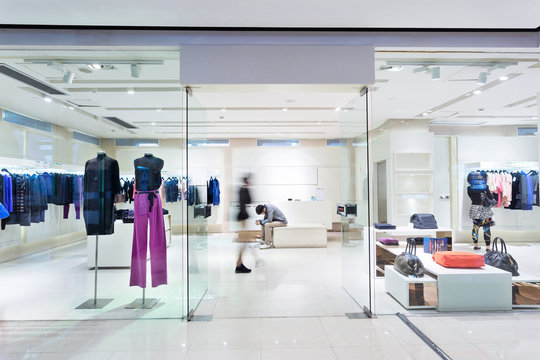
(407, 263)
(424, 221)
(501, 259)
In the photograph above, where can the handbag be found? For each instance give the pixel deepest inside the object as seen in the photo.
(487, 202)
(407, 263)
(501, 259)
(423, 221)
(432, 245)
(458, 259)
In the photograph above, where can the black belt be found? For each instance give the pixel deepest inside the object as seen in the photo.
(151, 196)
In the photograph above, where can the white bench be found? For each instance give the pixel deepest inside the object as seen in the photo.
(300, 236)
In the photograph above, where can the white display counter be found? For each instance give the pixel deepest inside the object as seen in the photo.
(115, 249)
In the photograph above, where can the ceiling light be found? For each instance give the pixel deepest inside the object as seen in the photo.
(223, 109)
(131, 91)
(284, 109)
(425, 114)
(152, 123)
(337, 109)
(395, 68)
(468, 94)
(477, 92)
(71, 107)
(135, 70)
(503, 78)
(47, 99)
(435, 73)
(69, 77)
(158, 110)
(95, 66)
(482, 78)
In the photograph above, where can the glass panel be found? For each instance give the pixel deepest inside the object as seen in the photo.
(198, 208)
(354, 205)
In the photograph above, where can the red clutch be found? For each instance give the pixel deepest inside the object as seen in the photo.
(458, 259)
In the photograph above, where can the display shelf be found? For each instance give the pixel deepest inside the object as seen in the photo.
(408, 204)
(413, 162)
(413, 183)
(412, 293)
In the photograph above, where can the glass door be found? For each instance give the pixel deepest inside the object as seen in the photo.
(198, 209)
(354, 208)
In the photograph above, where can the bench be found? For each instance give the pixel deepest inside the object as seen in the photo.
(300, 236)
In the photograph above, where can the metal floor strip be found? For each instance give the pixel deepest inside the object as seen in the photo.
(424, 337)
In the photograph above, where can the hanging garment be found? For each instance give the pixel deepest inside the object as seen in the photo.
(215, 192)
(516, 192)
(8, 193)
(526, 192)
(148, 209)
(210, 191)
(101, 184)
(535, 186)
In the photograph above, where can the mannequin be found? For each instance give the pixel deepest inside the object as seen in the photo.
(481, 212)
(148, 209)
(101, 183)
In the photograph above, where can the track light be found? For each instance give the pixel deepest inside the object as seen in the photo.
(482, 78)
(435, 73)
(69, 77)
(503, 78)
(135, 70)
(47, 99)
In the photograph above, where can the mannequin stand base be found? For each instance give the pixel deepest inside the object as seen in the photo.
(97, 304)
(138, 304)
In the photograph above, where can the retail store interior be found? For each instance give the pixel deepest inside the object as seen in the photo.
(411, 138)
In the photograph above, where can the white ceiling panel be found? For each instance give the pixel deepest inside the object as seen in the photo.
(278, 13)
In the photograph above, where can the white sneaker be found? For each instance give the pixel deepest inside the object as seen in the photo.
(266, 247)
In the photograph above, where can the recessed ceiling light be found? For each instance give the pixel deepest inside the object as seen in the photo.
(71, 107)
(468, 94)
(223, 109)
(395, 68)
(503, 78)
(477, 92)
(425, 114)
(337, 109)
(95, 66)
(152, 123)
(131, 91)
(47, 99)
(402, 121)
(284, 109)
(158, 109)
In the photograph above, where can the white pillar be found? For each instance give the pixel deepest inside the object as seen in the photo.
(538, 124)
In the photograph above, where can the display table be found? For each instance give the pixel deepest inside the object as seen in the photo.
(115, 249)
(402, 233)
(412, 293)
(481, 289)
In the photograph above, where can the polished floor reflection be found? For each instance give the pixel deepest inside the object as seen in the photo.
(476, 336)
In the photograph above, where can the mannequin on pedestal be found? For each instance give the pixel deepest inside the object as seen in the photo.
(148, 208)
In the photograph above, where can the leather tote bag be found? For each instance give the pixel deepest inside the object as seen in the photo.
(424, 221)
(501, 259)
(407, 263)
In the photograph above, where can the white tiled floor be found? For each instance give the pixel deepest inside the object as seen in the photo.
(292, 307)
(337, 338)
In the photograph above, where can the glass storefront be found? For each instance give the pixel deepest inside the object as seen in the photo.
(327, 161)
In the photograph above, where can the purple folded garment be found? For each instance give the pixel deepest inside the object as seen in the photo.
(389, 241)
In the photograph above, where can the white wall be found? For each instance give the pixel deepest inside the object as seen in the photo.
(441, 181)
